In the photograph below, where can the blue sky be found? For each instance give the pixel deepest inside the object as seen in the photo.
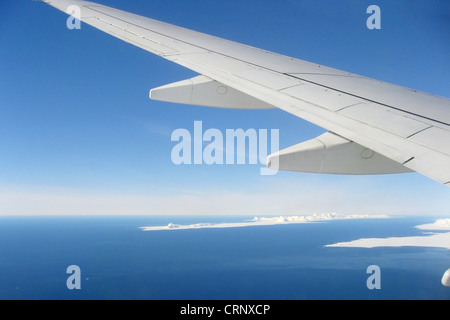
(78, 134)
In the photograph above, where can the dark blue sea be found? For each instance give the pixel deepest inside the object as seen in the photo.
(118, 260)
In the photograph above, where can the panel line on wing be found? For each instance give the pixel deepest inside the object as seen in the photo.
(371, 100)
(410, 159)
(412, 135)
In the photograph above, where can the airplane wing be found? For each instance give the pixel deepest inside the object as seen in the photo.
(373, 127)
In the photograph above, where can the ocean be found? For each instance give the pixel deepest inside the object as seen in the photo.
(118, 260)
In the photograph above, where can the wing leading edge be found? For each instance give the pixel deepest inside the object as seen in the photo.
(374, 126)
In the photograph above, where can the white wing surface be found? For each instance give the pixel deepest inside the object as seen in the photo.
(374, 127)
